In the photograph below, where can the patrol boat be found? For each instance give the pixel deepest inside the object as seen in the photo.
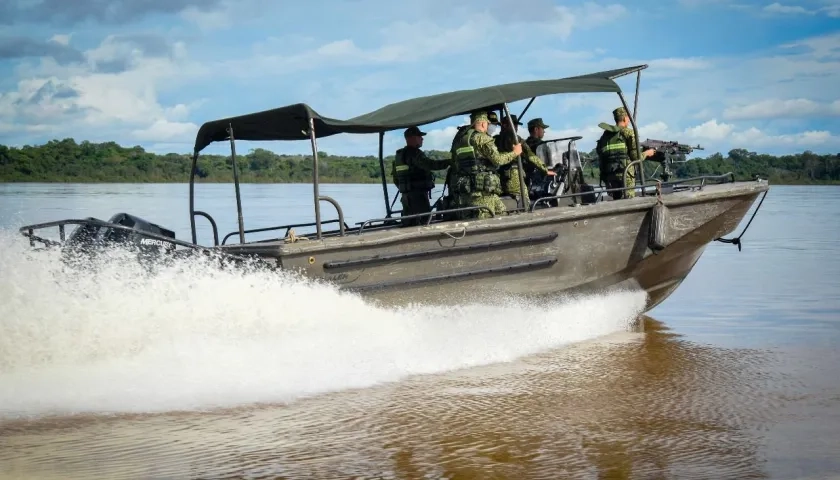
(569, 239)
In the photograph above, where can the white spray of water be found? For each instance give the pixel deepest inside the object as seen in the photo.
(194, 337)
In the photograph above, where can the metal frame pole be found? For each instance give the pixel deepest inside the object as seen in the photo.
(192, 196)
(636, 100)
(317, 196)
(382, 171)
(520, 202)
(236, 185)
(638, 148)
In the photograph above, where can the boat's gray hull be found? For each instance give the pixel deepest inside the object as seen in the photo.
(549, 252)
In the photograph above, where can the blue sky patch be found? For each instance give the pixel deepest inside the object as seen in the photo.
(764, 76)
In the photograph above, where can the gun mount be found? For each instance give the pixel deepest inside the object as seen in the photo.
(668, 152)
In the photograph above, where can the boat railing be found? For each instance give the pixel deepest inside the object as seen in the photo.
(342, 225)
(599, 193)
(212, 224)
(29, 231)
(343, 228)
(430, 215)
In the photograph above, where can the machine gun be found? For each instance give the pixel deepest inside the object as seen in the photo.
(668, 152)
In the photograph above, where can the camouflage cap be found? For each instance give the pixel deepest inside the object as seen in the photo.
(513, 117)
(536, 122)
(619, 112)
(413, 131)
(479, 116)
(492, 117)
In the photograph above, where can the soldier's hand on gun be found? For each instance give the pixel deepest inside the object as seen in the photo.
(648, 152)
(551, 173)
(517, 149)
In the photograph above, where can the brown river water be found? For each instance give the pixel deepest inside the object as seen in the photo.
(734, 377)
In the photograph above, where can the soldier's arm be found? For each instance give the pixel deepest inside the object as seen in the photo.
(426, 163)
(630, 141)
(531, 157)
(486, 147)
(394, 172)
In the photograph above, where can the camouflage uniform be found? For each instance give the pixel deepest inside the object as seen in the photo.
(475, 161)
(510, 173)
(411, 173)
(616, 149)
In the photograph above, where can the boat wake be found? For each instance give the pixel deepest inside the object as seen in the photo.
(193, 337)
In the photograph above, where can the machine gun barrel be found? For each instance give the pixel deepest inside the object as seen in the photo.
(668, 152)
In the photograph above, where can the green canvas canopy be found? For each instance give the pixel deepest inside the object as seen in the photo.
(292, 122)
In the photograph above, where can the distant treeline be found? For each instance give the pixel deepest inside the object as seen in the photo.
(86, 162)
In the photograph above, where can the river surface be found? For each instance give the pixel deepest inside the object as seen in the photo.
(201, 374)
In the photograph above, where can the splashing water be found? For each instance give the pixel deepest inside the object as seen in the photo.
(192, 336)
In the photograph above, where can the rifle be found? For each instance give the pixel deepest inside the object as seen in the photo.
(668, 152)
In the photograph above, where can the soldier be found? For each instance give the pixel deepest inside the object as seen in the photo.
(616, 149)
(530, 162)
(536, 132)
(475, 161)
(412, 174)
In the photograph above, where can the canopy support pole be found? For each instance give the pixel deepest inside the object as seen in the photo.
(636, 100)
(520, 201)
(382, 171)
(526, 108)
(638, 149)
(236, 185)
(192, 196)
(317, 195)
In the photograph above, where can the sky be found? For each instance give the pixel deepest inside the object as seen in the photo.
(764, 76)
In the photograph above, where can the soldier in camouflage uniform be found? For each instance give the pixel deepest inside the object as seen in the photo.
(536, 132)
(510, 173)
(475, 159)
(616, 149)
(412, 174)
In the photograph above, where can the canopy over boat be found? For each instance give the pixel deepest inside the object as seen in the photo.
(292, 121)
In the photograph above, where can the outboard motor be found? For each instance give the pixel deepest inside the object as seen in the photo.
(88, 238)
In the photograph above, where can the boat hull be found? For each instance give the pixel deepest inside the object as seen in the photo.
(544, 254)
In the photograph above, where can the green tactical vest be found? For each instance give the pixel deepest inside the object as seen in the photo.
(409, 178)
(611, 150)
(473, 175)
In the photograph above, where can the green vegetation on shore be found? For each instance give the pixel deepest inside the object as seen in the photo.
(85, 162)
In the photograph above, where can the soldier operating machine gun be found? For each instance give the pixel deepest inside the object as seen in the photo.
(668, 152)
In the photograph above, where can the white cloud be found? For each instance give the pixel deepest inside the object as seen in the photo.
(713, 134)
(117, 90)
(787, 9)
(72, 100)
(422, 39)
(798, 107)
(165, 131)
(61, 39)
(832, 10)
